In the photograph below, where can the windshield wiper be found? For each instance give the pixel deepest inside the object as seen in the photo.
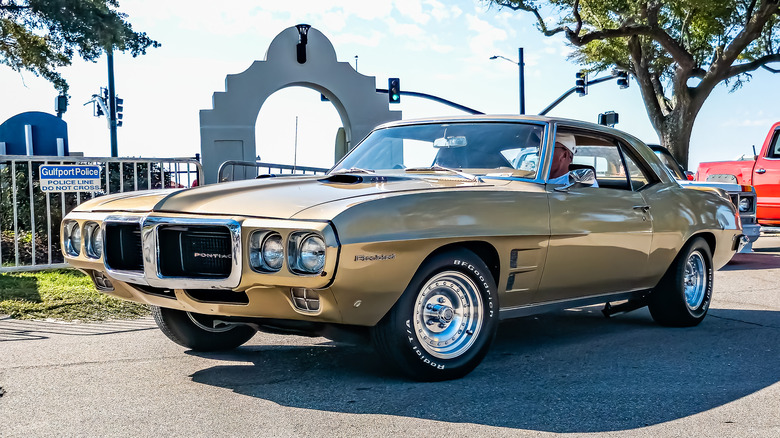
(353, 170)
(437, 168)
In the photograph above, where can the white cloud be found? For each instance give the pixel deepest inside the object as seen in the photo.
(483, 38)
(441, 12)
(410, 30)
(412, 9)
(371, 40)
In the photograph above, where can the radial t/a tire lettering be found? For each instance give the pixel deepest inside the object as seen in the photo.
(442, 326)
(683, 295)
(199, 332)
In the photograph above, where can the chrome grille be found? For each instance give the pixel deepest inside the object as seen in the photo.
(123, 250)
(195, 251)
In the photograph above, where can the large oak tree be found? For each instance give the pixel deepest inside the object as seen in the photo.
(678, 51)
(43, 35)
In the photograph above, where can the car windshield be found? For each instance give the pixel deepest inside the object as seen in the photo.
(671, 164)
(479, 148)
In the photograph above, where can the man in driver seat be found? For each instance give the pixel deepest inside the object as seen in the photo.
(563, 154)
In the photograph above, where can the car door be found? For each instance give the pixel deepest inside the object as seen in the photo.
(600, 237)
(766, 180)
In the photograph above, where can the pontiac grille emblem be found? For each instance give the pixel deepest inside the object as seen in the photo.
(211, 256)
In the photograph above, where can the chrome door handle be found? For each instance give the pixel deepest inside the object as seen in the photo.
(761, 170)
(644, 208)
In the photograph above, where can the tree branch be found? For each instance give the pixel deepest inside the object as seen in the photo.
(721, 67)
(753, 65)
(749, 13)
(576, 13)
(645, 82)
(658, 88)
(773, 70)
(522, 6)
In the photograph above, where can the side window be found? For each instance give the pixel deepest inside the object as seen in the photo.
(774, 147)
(636, 175)
(605, 157)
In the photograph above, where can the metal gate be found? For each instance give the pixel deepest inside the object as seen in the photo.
(234, 170)
(30, 219)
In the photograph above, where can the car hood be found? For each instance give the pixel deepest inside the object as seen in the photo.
(278, 197)
(728, 187)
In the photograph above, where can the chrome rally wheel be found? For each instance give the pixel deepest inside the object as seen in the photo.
(695, 280)
(443, 324)
(448, 314)
(682, 297)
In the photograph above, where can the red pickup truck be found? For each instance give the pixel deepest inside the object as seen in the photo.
(763, 173)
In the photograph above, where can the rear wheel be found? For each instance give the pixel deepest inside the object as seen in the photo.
(683, 295)
(442, 326)
(200, 332)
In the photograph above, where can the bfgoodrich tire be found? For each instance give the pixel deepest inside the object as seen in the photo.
(443, 324)
(683, 295)
(199, 332)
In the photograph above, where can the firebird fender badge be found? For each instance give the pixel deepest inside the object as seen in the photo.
(374, 257)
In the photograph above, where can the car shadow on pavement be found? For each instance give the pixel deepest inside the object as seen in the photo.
(571, 371)
(752, 261)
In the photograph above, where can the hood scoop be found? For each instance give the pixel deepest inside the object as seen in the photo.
(346, 178)
(342, 178)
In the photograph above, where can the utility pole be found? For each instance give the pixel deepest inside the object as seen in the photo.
(112, 103)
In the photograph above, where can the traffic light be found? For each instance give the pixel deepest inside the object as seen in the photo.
(581, 84)
(622, 78)
(119, 108)
(609, 118)
(394, 90)
(60, 104)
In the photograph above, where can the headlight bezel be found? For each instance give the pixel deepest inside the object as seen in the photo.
(295, 253)
(71, 246)
(257, 245)
(748, 207)
(92, 234)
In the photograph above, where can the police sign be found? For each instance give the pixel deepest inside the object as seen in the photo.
(70, 178)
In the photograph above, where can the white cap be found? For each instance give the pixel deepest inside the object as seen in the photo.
(567, 140)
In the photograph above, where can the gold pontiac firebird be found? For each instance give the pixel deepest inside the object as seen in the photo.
(423, 237)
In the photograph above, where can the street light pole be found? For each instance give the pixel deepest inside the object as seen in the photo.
(521, 68)
(521, 75)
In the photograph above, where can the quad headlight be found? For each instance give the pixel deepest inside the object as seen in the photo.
(266, 251)
(93, 240)
(306, 253)
(71, 238)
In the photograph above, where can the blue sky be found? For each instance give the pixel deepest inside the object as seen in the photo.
(433, 46)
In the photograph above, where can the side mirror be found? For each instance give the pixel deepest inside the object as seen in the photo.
(584, 177)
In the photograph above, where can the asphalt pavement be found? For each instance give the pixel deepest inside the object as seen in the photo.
(570, 372)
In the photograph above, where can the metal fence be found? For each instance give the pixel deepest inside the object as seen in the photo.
(239, 170)
(30, 219)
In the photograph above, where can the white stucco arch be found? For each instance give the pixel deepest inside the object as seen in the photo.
(227, 132)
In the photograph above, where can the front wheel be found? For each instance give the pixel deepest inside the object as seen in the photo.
(442, 326)
(683, 295)
(200, 332)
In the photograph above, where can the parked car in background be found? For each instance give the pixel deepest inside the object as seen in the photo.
(422, 238)
(743, 196)
(762, 172)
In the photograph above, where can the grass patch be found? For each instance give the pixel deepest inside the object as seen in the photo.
(64, 294)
